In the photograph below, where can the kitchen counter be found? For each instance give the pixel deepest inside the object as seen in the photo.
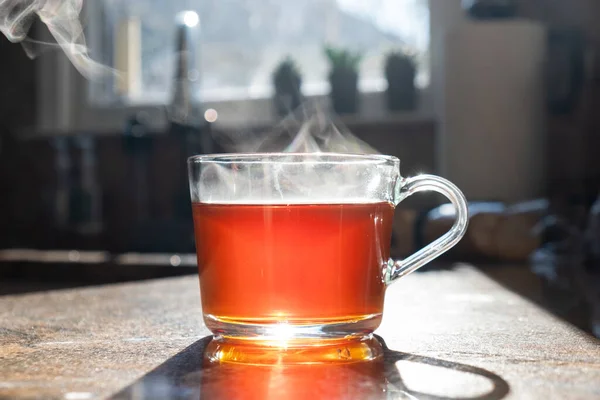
(447, 334)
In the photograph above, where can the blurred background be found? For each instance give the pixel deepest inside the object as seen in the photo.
(499, 96)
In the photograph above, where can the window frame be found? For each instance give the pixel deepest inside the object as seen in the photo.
(63, 105)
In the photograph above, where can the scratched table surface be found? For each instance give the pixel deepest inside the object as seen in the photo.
(447, 334)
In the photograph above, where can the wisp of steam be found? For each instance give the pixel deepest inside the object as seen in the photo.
(292, 177)
(62, 18)
(309, 129)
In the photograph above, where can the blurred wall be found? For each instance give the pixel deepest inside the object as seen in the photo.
(17, 112)
(17, 87)
(574, 139)
(572, 169)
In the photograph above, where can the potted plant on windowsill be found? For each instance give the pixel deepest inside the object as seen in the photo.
(343, 78)
(400, 71)
(287, 82)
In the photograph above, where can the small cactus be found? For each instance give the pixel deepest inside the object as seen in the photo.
(287, 82)
(343, 78)
(400, 72)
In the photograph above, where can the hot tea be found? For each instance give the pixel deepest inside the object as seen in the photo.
(300, 263)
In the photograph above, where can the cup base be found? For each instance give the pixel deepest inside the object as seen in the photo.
(288, 329)
(294, 351)
(291, 341)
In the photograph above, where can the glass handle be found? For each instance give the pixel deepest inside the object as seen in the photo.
(425, 183)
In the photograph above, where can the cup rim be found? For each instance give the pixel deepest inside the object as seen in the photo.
(292, 158)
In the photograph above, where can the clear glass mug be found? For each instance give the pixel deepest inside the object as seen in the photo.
(294, 251)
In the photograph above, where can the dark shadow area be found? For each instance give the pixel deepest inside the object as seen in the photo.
(168, 380)
(188, 376)
(31, 277)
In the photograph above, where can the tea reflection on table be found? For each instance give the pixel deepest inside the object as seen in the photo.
(396, 375)
(360, 380)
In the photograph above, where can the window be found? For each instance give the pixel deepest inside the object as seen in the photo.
(240, 43)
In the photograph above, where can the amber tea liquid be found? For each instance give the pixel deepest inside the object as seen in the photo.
(301, 264)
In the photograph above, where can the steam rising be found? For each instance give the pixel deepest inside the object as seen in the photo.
(294, 178)
(308, 130)
(62, 19)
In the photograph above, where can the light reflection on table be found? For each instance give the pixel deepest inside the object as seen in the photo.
(395, 376)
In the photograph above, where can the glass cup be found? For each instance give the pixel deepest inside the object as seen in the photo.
(294, 251)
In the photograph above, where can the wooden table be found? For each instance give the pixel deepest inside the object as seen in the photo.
(449, 334)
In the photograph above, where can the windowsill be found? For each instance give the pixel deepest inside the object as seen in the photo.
(250, 114)
(352, 121)
(396, 119)
(392, 118)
